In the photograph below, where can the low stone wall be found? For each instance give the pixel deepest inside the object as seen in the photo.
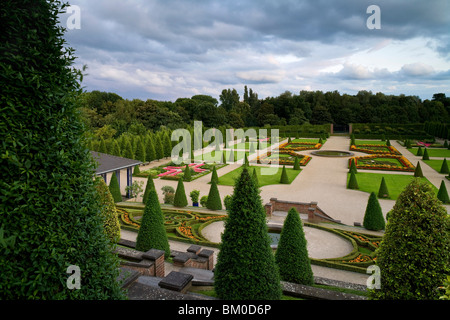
(150, 263)
(315, 214)
(194, 257)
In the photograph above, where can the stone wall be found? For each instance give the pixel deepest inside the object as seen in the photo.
(315, 214)
(150, 263)
(194, 257)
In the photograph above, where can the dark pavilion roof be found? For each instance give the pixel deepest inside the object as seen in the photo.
(109, 163)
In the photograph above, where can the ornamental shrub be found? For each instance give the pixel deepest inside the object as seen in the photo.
(50, 216)
(352, 182)
(108, 211)
(214, 176)
(414, 253)
(204, 201)
(425, 155)
(150, 152)
(114, 188)
(187, 173)
(136, 170)
(214, 202)
(444, 167)
(152, 233)
(255, 177)
(353, 166)
(246, 268)
(292, 253)
(180, 199)
(140, 151)
(296, 164)
(418, 171)
(227, 201)
(284, 179)
(443, 194)
(419, 152)
(383, 191)
(149, 185)
(373, 217)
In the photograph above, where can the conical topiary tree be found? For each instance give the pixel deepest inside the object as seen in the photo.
(255, 177)
(152, 233)
(418, 171)
(296, 164)
(136, 170)
(108, 211)
(284, 179)
(383, 191)
(49, 214)
(425, 155)
(214, 202)
(150, 185)
(180, 199)
(187, 173)
(353, 166)
(442, 193)
(419, 152)
(373, 217)
(254, 275)
(417, 227)
(214, 176)
(352, 182)
(114, 188)
(444, 167)
(292, 253)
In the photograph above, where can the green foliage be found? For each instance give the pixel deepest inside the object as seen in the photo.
(419, 152)
(140, 151)
(284, 179)
(214, 176)
(255, 177)
(187, 173)
(136, 170)
(194, 194)
(246, 268)
(150, 150)
(204, 201)
(383, 191)
(353, 166)
(388, 143)
(108, 211)
(292, 254)
(425, 155)
(352, 182)
(214, 202)
(414, 254)
(296, 164)
(114, 188)
(180, 199)
(418, 171)
(50, 215)
(149, 186)
(152, 233)
(169, 194)
(444, 167)
(443, 194)
(227, 201)
(373, 217)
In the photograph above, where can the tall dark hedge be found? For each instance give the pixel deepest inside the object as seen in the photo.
(48, 209)
(414, 255)
(152, 233)
(246, 268)
(292, 253)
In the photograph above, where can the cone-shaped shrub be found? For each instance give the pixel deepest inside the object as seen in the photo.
(296, 164)
(445, 144)
(246, 268)
(214, 176)
(246, 163)
(255, 177)
(150, 185)
(425, 155)
(419, 152)
(180, 199)
(444, 167)
(114, 188)
(136, 170)
(373, 217)
(108, 211)
(187, 173)
(383, 191)
(418, 171)
(214, 202)
(413, 256)
(224, 160)
(292, 254)
(352, 182)
(152, 233)
(49, 213)
(284, 179)
(353, 166)
(388, 143)
(442, 193)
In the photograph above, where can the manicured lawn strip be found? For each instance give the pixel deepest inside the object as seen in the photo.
(378, 142)
(433, 152)
(435, 164)
(305, 140)
(217, 156)
(264, 180)
(370, 182)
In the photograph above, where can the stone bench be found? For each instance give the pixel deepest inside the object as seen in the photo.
(177, 281)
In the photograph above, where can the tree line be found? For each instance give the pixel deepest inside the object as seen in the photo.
(109, 114)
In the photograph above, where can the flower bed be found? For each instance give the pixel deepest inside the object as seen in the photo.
(375, 149)
(284, 158)
(299, 146)
(172, 171)
(376, 162)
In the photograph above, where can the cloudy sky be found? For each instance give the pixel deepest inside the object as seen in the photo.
(165, 50)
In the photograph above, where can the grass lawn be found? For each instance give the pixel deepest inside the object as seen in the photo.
(370, 182)
(300, 140)
(433, 152)
(264, 180)
(435, 164)
(217, 156)
(378, 142)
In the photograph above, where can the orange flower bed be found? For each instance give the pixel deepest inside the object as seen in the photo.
(298, 146)
(405, 164)
(375, 149)
(265, 158)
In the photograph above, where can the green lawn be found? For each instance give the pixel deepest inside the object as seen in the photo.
(305, 140)
(369, 182)
(264, 180)
(217, 156)
(435, 164)
(378, 142)
(433, 152)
